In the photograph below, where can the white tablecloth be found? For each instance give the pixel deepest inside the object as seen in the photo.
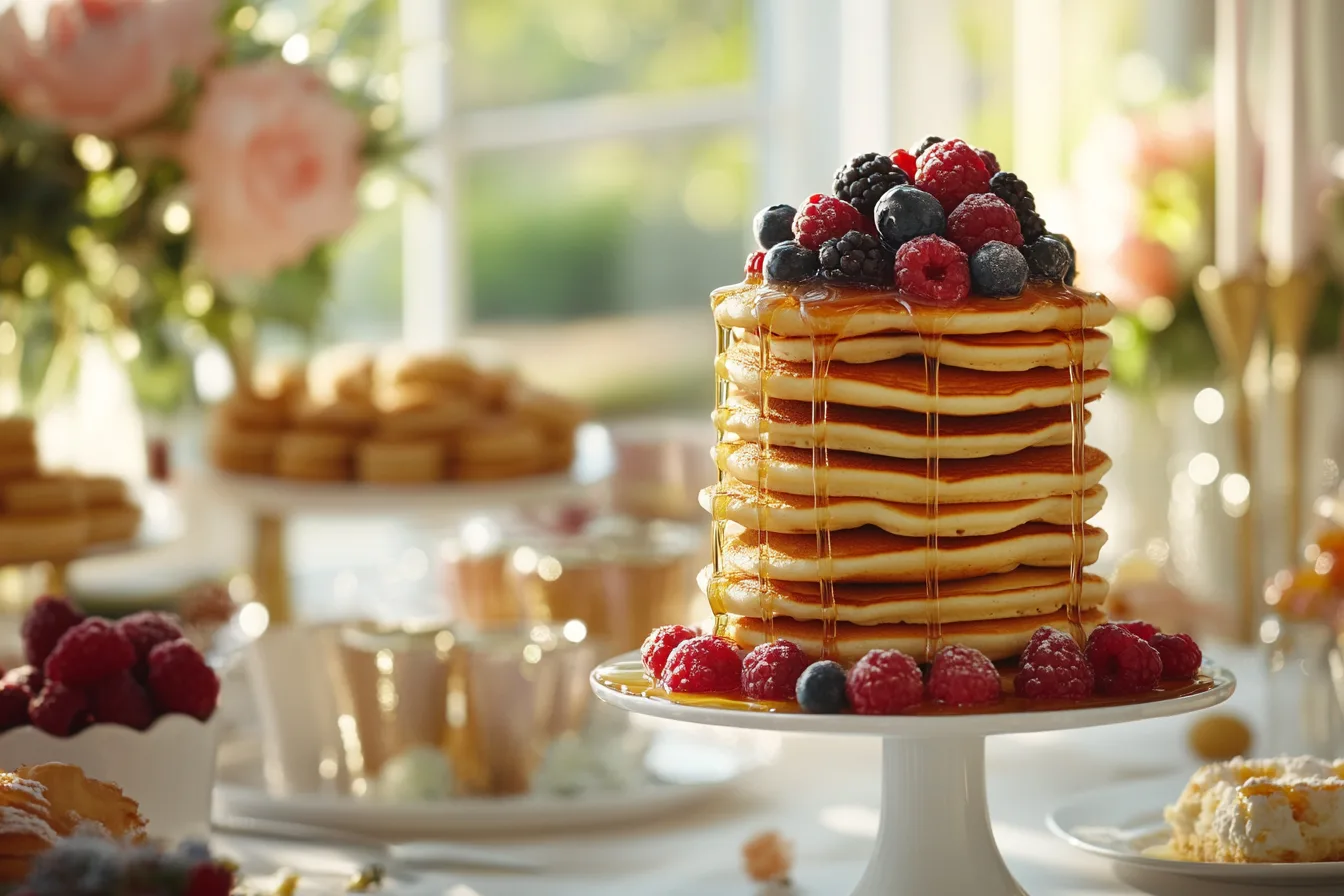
(822, 793)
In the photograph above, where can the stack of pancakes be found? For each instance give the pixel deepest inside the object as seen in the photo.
(906, 476)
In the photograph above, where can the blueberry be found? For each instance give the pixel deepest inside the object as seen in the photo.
(1073, 256)
(1047, 259)
(821, 688)
(773, 225)
(998, 269)
(790, 262)
(906, 212)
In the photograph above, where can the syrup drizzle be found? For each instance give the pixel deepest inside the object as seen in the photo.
(823, 349)
(766, 306)
(719, 517)
(1078, 466)
(931, 327)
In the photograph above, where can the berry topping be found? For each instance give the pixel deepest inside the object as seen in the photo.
(1013, 190)
(770, 671)
(59, 710)
(951, 171)
(1144, 630)
(925, 144)
(14, 699)
(821, 688)
(121, 700)
(658, 646)
(932, 268)
(1180, 655)
(28, 678)
(884, 683)
(1122, 662)
(904, 159)
(991, 163)
(825, 218)
(703, 665)
(210, 879)
(963, 676)
(790, 262)
(998, 269)
(1073, 257)
(93, 650)
(49, 618)
(181, 681)
(983, 218)
(904, 213)
(147, 629)
(755, 266)
(1052, 668)
(773, 225)
(858, 258)
(863, 181)
(1047, 259)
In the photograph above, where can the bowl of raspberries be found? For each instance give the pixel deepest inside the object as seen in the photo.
(130, 701)
(940, 222)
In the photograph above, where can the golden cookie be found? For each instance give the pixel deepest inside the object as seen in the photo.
(479, 471)
(355, 416)
(248, 411)
(30, 539)
(446, 371)
(553, 413)
(500, 439)
(241, 451)
(76, 798)
(113, 522)
(442, 416)
(16, 432)
(18, 462)
(341, 373)
(42, 495)
(104, 491)
(286, 381)
(379, 460)
(494, 388)
(315, 456)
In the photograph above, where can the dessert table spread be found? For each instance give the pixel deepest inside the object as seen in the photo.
(822, 793)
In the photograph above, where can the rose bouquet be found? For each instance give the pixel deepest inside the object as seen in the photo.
(174, 173)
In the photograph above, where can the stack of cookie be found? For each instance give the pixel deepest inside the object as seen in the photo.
(393, 419)
(54, 516)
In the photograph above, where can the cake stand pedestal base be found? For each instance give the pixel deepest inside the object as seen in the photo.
(935, 835)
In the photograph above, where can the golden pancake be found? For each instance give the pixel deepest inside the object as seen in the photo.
(986, 351)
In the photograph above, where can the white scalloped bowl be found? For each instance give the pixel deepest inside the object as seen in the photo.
(169, 769)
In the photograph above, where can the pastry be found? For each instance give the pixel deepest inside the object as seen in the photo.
(447, 372)
(498, 447)
(42, 495)
(113, 522)
(341, 373)
(248, 411)
(78, 801)
(104, 491)
(315, 456)
(250, 452)
(283, 381)
(18, 462)
(16, 432)
(27, 825)
(30, 539)
(389, 461)
(352, 416)
(409, 412)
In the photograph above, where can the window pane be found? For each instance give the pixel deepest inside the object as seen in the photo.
(526, 51)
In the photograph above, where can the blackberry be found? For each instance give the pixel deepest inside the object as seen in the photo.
(998, 269)
(790, 262)
(1013, 190)
(1047, 259)
(773, 225)
(863, 181)
(1073, 257)
(925, 144)
(858, 258)
(821, 688)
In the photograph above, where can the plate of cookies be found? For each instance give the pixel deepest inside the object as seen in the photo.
(360, 431)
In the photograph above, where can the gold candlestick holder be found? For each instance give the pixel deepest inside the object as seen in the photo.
(1293, 297)
(1232, 309)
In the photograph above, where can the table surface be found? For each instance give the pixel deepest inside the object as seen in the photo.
(822, 794)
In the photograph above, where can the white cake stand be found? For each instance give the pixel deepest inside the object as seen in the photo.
(935, 835)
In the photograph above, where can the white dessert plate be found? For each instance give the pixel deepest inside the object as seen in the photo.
(684, 769)
(1124, 823)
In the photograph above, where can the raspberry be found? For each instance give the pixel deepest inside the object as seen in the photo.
(59, 710)
(856, 258)
(146, 629)
(933, 268)
(1052, 667)
(755, 265)
(1122, 662)
(983, 218)
(951, 171)
(825, 218)
(49, 618)
(27, 678)
(14, 699)
(1013, 190)
(210, 879)
(703, 665)
(659, 644)
(120, 700)
(963, 676)
(770, 671)
(863, 181)
(1180, 655)
(181, 681)
(1144, 630)
(991, 163)
(904, 159)
(884, 683)
(93, 650)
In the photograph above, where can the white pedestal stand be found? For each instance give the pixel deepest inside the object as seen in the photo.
(935, 835)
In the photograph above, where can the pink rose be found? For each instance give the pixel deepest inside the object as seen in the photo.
(102, 66)
(273, 161)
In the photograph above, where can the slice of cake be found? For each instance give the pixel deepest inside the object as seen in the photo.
(1261, 810)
